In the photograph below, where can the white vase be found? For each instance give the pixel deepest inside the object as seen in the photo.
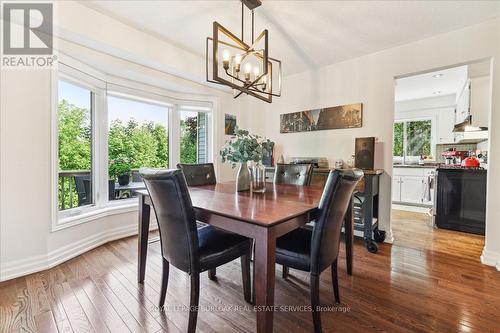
(243, 178)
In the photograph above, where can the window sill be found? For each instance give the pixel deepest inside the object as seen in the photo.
(110, 209)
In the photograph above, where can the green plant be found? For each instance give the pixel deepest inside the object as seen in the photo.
(119, 167)
(243, 147)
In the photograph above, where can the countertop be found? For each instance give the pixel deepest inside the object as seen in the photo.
(416, 166)
(462, 170)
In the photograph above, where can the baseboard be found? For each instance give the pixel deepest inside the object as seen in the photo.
(491, 258)
(39, 263)
(411, 208)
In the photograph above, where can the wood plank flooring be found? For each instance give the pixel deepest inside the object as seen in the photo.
(428, 281)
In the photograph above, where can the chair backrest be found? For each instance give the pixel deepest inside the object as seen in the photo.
(83, 190)
(334, 202)
(136, 177)
(175, 216)
(198, 174)
(293, 174)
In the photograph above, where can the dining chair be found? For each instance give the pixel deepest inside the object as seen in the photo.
(315, 250)
(192, 250)
(198, 174)
(293, 174)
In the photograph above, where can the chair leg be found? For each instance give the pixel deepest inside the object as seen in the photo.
(164, 281)
(285, 272)
(212, 272)
(193, 305)
(315, 303)
(245, 275)
(335, 281)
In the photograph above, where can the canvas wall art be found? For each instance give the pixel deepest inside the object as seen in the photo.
(336, 117)
(229, 124)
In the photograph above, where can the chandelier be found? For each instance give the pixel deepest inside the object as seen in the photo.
(246, 68)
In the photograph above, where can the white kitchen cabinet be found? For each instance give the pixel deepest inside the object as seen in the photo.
(409, 184)
(480, 100)
(446, 122)
(412, 189)
(463, 104)
(396, 188)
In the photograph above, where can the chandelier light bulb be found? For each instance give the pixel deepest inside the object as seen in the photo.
(225, 59)
(237, 59)
(256, 71)
(248, 68)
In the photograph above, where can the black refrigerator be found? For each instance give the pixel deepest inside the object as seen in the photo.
(460, 200)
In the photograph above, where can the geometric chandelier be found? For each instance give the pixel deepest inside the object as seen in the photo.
(246, 68)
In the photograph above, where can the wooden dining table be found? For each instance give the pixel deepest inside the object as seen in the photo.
(261, 216)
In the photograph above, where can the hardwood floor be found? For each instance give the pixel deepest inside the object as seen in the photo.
(428, 281)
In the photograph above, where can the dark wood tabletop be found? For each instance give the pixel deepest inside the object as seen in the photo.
(261, 216)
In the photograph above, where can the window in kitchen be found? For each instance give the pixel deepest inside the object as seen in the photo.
(137, 137)
(412, 139)
(75, 131)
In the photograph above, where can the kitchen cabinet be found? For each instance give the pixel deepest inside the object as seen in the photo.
(446, 121)
(412, 189)
(409, 185)
(463, 103)
(396, 188)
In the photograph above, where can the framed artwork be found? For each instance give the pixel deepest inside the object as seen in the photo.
(336, 117)
(229, 124)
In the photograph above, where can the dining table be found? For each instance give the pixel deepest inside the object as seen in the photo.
(261, 216)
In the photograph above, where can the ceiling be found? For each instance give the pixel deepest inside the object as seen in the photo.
(304, 34)
(434, 84)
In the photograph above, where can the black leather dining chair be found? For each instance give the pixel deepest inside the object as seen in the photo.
(183, 245)
(198, 174)
(315, 250)
(294, 174)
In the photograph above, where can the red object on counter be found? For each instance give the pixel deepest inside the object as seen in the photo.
(471, 162)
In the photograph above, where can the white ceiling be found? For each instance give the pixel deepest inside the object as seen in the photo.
(427, 85)
(304, 34)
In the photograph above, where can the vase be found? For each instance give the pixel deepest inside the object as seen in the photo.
(258, 173)
(243, 178)
(123, 180)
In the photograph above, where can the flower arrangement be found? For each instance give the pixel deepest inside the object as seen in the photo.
(244, 147)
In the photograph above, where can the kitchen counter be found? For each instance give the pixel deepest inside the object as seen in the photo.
(416, 166)
(462, 170)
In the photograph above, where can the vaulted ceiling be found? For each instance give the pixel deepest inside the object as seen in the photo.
(304, 34)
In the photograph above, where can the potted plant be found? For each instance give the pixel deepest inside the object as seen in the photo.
(120, 169)
(242, 148)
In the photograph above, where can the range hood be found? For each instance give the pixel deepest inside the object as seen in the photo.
(467, 126)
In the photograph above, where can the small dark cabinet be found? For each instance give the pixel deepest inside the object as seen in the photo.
(461, 200)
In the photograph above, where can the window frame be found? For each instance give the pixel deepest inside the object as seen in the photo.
(98, 84)
(96, 93)
(404, 121)
(141, 98)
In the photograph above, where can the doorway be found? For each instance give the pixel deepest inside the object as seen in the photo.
(440, 149)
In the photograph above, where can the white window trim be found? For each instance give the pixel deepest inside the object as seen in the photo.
(102, 206)
(434, 123)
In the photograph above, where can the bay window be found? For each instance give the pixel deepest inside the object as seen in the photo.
(137, 137)
(75, 114)
(104, 137)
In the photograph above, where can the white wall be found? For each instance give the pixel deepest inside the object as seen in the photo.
(27, 243)
(370, 80)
